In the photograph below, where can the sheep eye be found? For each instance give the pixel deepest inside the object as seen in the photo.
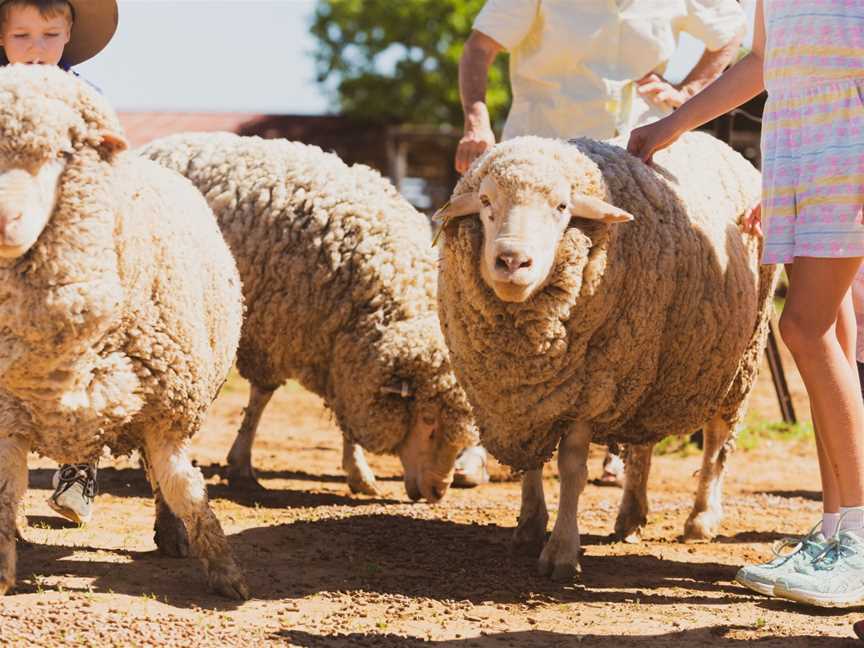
(484, 200)
(562, 207)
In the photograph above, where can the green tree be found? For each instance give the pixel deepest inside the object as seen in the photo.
(398, 60)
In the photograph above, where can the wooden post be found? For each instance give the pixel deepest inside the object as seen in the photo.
(778, 376)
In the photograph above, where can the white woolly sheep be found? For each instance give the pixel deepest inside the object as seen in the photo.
(339, 280)
(121, 310)
(566, 323)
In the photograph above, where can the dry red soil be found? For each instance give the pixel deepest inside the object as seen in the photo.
(329, 569)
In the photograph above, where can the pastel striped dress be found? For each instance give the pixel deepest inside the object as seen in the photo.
(813, 129)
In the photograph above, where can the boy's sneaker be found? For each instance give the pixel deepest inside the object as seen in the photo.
(74, 490)
(613, 470)
(470, 470)
(835, 578)
(761, 578)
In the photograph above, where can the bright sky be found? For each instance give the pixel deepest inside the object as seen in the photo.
(210, 55)
(227, 55)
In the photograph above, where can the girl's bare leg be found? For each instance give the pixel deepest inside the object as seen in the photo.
(846, 330)
(818, 289)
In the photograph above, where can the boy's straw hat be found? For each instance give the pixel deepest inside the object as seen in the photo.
(94, 26)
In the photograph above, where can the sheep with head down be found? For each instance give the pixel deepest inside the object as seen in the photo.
(120, 310)
(339, 281)
(595, 298)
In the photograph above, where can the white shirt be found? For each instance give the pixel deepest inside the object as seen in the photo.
(573, 63)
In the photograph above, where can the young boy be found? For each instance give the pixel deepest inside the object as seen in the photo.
(64, 33)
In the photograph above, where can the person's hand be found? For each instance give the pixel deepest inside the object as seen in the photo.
(473, 144)
(647, 140)
(752, 222)
(659, 91)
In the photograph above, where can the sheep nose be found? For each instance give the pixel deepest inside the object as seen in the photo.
(513, 260)
(7, 220)
(413, 490)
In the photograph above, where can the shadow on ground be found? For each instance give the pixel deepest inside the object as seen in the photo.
(814, 496)
(444, 560)
(713, 636)
(393, 554)
(745, 537)
(131, 482)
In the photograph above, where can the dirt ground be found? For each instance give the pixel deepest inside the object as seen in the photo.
(329, 569)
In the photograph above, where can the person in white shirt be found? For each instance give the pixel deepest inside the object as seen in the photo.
(590, 68)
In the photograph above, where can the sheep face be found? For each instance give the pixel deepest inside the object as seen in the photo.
(522, 230)
(27, 198)
(47, 120)
(428, 456)
(526, 198)
(521, 233)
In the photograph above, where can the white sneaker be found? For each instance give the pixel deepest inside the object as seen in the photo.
(835, 578)
(761, 578)
(74, 490)
(470, 468)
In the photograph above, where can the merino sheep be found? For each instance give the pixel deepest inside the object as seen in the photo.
(567, 323)
(339, 281)
(121, 310)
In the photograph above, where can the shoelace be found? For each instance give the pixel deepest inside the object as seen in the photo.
(832, 546)
(82, 474)
(797, 543)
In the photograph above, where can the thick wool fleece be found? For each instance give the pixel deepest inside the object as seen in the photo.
(125, 314)
(339, 280)
(644, 329)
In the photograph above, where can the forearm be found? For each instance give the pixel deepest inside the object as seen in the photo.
(473, 78)
(711, 66)
(738, 84)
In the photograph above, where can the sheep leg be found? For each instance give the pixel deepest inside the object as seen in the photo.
(13, 485)
(633, 511)
(169, 533)
(530, 531)
(560, 556)
(708, 508)
(361, 479)
(184, 491)
(241, 476)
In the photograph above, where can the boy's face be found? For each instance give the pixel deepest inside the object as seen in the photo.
(29, 37)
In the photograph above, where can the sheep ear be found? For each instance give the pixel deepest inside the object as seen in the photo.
(399, 388)
(111, 143)
(463, 205)
(583, 206)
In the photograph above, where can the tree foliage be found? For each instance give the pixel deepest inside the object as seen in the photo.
(398, 60)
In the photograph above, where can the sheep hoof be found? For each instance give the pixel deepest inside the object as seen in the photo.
(559, 564)
(629, 537)
(244, 483)
(566, 573)
(7, 573)
(170, 536)
(629, 531)
(529, 537)
(227, 581)
(561, 572)
(701, 527)
(361, 486)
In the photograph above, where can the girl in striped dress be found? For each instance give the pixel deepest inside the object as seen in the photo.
(809, 54)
